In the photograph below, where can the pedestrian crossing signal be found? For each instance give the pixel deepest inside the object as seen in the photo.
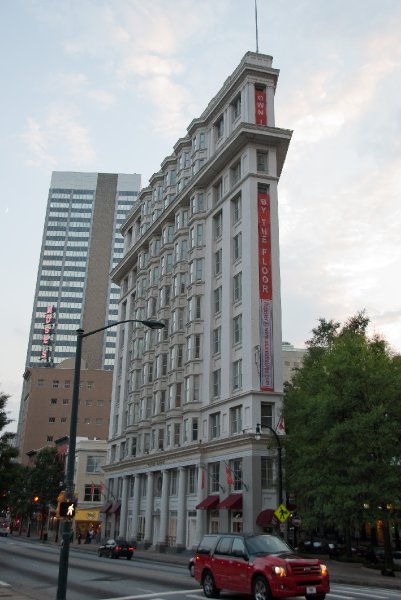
(67, 509)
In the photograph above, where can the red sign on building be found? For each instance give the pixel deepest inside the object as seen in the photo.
(265, 293)
(260, 107)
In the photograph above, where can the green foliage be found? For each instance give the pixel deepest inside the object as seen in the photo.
(46, 476)
(343, 420)
(8, 454)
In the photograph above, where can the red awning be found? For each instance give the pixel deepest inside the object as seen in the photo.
(232, 501)
(115, 508)
(265, 517)
(106, 507)
(209, 502)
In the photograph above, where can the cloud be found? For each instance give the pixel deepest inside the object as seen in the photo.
(59, 129)
(78, 85)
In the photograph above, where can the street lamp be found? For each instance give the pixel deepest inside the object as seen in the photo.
(280, 468)
(65, 549)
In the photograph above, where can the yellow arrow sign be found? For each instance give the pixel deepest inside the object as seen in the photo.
(282, 513)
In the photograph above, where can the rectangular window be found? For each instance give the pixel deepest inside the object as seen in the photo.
(198, 304)
(236, 419)
(235, 173)
(67, 384)
(217, 340)
(199, 269)
(192, 481)
(195, 428)
(56, 383)
(218, 225)
(41, 382)
(237, 287)
(219, 128)
(237, 374)
(214, 425)
(236, 469)
(94, 464)
(261, 161)
(236, 203)
(195, 388)
(218, 261)
(214, 477)
(173, 482)
(237, 246)
(53, 401)
(216, 383)
(92, 493)
(266, 415)
(237, 329)
(218, 191)
(266, 475)
(236, 107)
(217, 295)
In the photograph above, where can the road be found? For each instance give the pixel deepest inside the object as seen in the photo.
(33, 570)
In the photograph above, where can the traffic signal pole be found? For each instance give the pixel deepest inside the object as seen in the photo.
(69, 492)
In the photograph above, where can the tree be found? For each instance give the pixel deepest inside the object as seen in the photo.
(8, 454)
(343, 419)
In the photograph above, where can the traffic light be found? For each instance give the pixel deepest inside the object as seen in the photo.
(67, 509)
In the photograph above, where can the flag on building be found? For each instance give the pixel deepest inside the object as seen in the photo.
(230, 480)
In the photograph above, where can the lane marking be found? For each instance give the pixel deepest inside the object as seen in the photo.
(4, 584)
(156, 596)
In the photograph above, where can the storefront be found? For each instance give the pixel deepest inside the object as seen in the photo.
(87, 521)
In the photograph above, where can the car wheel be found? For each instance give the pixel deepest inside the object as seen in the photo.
(192, 570)
(129, 557)
(315, 596)
(110, 554)
(261, 589)
(209, 587)
(99, 553)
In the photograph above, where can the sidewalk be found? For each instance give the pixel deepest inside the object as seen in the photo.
(340, 572)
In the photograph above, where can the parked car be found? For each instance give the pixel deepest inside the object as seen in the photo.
(204, 547)
(262, 566)
(116, 548)
(4, 529)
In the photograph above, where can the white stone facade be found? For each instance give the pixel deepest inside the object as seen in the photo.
(186, 399)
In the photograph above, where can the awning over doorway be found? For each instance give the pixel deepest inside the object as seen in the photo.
(232, 501)
(265, 517)
(209, 502)
(115, 508)
(106, 507)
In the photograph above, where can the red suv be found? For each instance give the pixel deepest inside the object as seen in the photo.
(263, 566)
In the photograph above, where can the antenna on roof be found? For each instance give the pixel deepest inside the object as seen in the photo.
(256, 26)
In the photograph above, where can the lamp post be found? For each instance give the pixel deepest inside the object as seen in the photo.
(280, 467)
(65, 549)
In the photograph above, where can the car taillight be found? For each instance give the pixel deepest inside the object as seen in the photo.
(118, 547)
(130, 548)
(323, 569)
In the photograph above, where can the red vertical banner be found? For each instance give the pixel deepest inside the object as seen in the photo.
(260, 107)
(265, 293)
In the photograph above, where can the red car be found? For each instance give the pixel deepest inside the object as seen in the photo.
(262, 566)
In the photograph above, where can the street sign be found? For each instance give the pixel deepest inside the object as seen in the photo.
(67, 509)
(282, 513)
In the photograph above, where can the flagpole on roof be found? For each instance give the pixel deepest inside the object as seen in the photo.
(256, 26)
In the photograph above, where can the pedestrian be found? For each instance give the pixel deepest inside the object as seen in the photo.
(87, 538)
(79, 537)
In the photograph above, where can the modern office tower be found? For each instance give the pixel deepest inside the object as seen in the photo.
(81, 244)
(202, 253)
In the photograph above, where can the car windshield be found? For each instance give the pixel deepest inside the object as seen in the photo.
(266, 544)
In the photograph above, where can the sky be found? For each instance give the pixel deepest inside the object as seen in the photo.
(110, 85)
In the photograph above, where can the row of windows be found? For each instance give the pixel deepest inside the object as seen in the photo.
(66, 384)
(86, 420)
